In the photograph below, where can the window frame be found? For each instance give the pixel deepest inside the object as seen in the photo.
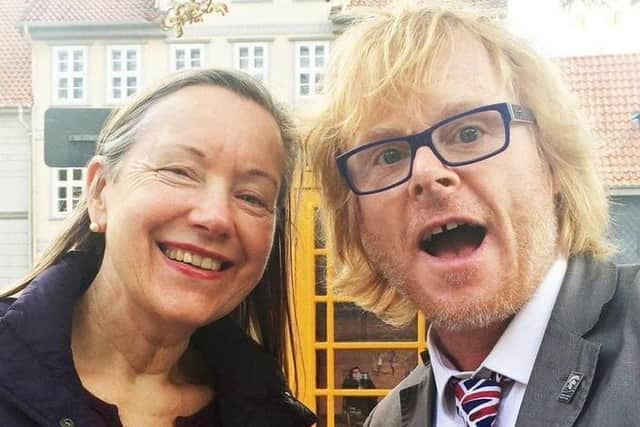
(69, 184)
(251, 58)
(322, 355)
(188, 47)
(69, 74)
(312, 70)
(123, 74)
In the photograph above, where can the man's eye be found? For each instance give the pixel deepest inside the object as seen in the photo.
(469, 134)
(390, 156)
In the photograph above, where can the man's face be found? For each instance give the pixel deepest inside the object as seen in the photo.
(487, 268)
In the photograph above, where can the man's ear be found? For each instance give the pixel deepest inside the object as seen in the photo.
(96, 184)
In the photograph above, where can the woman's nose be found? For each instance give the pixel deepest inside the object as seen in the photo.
(213, 214)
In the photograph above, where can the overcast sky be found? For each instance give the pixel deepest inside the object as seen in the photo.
(589, 31)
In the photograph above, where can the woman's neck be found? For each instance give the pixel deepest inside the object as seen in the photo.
(108, 330)
(136, 362)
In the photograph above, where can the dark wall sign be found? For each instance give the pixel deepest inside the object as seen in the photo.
(70, 135)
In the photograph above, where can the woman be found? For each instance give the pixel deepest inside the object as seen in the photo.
(139, 314)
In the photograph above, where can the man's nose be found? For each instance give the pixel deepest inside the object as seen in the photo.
(430, 176)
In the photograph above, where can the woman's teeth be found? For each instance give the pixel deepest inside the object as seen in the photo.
(193, 259)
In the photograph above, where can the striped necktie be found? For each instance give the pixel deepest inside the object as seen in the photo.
(478, 399)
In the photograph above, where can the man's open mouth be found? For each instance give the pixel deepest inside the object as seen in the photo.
(453, 240)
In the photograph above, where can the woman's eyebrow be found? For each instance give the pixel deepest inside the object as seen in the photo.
(191, 149)
(260, 173)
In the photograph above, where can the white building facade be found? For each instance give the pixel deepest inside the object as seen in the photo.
(102, 54)
(15, 146)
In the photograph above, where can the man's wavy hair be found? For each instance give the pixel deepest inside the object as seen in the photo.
(387, 57)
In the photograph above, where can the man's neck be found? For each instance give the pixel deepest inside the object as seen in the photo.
(468, 349)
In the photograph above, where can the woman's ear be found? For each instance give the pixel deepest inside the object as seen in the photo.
(96, 184)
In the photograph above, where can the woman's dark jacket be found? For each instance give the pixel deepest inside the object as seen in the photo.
(40, 387)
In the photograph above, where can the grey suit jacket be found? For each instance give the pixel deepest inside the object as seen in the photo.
(594, 330)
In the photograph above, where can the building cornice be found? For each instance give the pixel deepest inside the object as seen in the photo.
(15, 109)
(93, 30)
(259, 30)
(631, 190)
(14, 215)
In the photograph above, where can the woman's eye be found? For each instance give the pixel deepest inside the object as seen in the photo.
(254, 200)
(469, 134)
(177, 171)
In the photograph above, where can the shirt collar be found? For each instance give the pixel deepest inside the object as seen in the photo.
(515, 352)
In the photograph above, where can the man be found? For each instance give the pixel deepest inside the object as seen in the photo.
(458, 179)
(358, 379)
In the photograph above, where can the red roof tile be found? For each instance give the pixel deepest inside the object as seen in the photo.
(89, 11)
(608, 87)
(15, 56)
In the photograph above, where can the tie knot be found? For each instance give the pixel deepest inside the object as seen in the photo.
(478, 399)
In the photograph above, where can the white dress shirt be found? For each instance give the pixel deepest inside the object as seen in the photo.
(513, 355)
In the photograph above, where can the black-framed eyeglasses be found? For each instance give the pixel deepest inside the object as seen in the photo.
(458, 140)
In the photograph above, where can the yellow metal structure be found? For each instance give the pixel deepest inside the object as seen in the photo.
(324, 352)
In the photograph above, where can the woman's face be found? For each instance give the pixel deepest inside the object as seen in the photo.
(190, 215)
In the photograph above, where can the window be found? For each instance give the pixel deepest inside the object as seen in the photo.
(123, 72)
(252, 58)
(311, 58)
(68, 184)
(184, 57)
(70, 74)
(624, 228)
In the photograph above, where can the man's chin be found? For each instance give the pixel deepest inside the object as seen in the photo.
(470, 315)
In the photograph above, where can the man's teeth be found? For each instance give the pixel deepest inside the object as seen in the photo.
(193, 259)
(447, 227)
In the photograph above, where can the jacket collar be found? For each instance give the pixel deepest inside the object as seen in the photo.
(587, 287)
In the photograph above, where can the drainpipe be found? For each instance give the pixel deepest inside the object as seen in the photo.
(31, 203)
(30, 199)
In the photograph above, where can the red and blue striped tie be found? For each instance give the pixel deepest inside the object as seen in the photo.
(478, 399)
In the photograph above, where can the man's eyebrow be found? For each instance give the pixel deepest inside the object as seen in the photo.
(448, 109)
(376, 134)
(456, 107)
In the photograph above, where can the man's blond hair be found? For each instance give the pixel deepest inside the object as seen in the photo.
(385, 58)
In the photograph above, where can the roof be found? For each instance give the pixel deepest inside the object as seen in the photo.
(15, 57)
(490, 5)
(89, 11)
(608, 87)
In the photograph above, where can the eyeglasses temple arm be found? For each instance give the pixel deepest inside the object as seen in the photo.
(522, 114)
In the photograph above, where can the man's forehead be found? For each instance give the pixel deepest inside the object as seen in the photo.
(421, 113)
(461, 76)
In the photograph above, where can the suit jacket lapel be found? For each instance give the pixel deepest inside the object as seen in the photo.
(417, 400)
(587, 286)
